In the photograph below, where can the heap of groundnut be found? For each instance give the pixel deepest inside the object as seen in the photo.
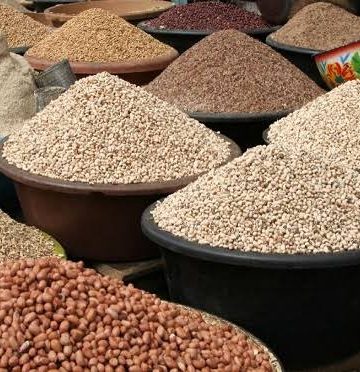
(56, 315)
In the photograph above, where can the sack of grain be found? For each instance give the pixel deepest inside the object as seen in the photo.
(16, 90)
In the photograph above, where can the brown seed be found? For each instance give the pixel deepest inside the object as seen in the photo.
(114, 31)
(187, 84)
(310, 28)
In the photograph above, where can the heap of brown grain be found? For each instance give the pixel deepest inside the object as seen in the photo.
(19, 29)
(97, 35)
(229, 71)
(320, 26)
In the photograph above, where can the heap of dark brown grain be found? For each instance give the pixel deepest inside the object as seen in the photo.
(208, 16)
(229, 71)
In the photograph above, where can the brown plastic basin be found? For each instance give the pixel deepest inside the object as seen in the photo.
(40, 17)
(93, 222)
(131, 10)
(139, 72)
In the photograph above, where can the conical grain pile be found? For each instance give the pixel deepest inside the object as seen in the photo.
(104, 130)
(229, 71)
(97, 35)
(327, 127)
(268, 201)
(19, 29)
(320, 26)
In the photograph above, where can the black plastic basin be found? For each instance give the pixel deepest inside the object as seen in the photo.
(302, 58)
(9, 202)
(265, 136)
(246, 130)
(183, 40)
(19, 50)
(305, 307)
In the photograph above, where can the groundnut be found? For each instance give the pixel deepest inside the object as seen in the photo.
(115, 328)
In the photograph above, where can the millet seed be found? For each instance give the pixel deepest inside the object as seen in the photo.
(19, 29)
(327, 127)
(320, 26)
(19, 241)
(268, 201)
(105, 130)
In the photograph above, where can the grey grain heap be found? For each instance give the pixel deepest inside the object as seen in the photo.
(320, 26)
(328, 127)
(268, 201)
(18, 241)
(229, 71)
(107, 131)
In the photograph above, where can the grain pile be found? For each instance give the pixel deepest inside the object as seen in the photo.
(229, 71)
(106, 130)
(327, 127)
(208, 16)
(18, 241)
(58, 316)
(269, 202)
(19, 29)
(16, 90)
(320, 26)
(96, 35)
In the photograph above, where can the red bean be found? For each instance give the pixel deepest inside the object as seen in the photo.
(200, 16)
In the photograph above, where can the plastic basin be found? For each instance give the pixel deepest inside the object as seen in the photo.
(183, 40)
(9, 202)
(139, 72)
(93, 222)
(132, 11)
(244, 129)
(41, 5)
(302, 58)
(305, 307)
(265, 136)
(19, 50)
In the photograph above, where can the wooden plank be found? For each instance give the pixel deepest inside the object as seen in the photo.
(128, 270)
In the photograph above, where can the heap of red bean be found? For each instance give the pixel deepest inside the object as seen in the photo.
(59, 316)
(208, 16)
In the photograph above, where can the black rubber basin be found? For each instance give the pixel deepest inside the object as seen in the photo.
(9, 202)
(99, 222)
(183, 40)
(302, 58)
(246, 130)
(19, 50)
(305, 307)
